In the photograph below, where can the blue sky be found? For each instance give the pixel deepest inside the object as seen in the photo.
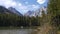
(24, 5)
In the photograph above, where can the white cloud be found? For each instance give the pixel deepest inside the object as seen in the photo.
(19, 6)
(14, 4)
(35, 6)
(41, 1)
(23, 7)
(27, 8)
(11, 3)
(7, 3)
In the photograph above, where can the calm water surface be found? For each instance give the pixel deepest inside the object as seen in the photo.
(16, 31)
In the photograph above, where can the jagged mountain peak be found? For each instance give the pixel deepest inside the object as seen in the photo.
(36, 13)
(9, 10)
(14, 11)
(29, 13)
(4, 10)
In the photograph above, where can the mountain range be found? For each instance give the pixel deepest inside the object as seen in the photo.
(36, 13)
(4, 10)
(10, 10)
(30, 13)
(13, 10)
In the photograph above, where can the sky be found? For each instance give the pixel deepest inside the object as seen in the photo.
(24, 5)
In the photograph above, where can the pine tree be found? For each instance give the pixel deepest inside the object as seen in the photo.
(53, 10)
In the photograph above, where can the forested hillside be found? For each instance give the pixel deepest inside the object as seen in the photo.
(14, 20)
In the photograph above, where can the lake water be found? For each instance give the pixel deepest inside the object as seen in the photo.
(16, 31)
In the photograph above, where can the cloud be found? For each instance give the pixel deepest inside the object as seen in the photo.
(11, 3)
(25, 8)
(41, 1)
(19, 6)
(8, 3)
(35, 6)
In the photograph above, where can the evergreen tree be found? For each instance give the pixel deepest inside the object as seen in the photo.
(53, 12)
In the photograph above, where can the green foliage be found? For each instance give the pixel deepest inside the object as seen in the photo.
(15, 20)
(54, 7)
(53, 12)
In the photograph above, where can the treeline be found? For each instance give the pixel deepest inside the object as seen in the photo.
(15, 20)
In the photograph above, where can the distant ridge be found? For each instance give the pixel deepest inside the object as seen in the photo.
(36, 13)
(4, 10)
(13, 10)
